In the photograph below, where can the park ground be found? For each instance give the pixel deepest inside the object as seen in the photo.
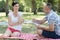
(27, 28)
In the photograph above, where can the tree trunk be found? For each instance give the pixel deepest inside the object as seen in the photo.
(58, 6)
(14, 0)
(7, 8)
(34, 6)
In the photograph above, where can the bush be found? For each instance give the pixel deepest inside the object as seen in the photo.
(40, 9)
(21, 7)
(55, 7)
(2, 6)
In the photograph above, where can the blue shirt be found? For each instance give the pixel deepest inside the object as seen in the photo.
(52, 17)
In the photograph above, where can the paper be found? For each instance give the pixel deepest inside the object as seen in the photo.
(36, 24)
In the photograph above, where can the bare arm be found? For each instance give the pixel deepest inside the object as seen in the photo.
(20, 21)
(39, 21)
(50, 28)
(14, 24)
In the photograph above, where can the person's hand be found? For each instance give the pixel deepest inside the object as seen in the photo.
(39, 26)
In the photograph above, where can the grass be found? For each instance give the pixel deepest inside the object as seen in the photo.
(27, 28)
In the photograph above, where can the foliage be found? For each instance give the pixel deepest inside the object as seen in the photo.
(26, 5)
(2, 6)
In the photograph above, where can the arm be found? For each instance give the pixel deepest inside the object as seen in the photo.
(50, 28)
(10, 22)
(39, 21)
(20, 21)
(14, 24)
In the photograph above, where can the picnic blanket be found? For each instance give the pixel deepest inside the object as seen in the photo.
(27, 36)
(24, 36)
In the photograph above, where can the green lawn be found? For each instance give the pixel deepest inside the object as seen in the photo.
(27, 28)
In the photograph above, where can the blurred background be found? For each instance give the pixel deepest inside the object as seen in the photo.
(30, 9)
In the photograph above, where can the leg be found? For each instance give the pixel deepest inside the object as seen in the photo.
(7, 33)
(15, 34)
(39, 32)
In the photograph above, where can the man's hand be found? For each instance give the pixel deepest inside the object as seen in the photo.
(34, 20)
(49, 28)
(39, 27)
(39, 21)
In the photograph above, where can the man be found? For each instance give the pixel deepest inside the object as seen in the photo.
(53, 30)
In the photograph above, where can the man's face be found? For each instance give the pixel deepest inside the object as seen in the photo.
(46, 9)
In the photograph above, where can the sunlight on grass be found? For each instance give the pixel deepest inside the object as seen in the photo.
(2, 14)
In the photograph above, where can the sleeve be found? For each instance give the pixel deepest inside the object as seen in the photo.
(51, 20)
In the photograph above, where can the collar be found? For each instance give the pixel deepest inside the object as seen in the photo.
(50, 13)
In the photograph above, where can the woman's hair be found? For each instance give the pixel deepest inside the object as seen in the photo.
(14, 3)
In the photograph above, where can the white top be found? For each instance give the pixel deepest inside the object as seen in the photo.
(14, 20)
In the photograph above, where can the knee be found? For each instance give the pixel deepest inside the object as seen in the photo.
(39, 32)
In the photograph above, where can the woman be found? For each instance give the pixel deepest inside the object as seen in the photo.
(14, 21)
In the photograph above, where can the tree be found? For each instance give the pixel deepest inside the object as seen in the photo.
(7, 8)
(39, 5)
(2, 6)
(13, 0)
(34, 6)
(59, 6)
(31, 4)
(51, 1)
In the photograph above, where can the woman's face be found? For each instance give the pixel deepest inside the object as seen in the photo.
(16, 7)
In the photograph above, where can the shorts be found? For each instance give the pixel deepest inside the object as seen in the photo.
(12, 30)
(49, 34)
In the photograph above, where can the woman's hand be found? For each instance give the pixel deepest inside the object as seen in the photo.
(13, 24)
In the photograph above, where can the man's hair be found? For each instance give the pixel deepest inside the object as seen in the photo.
(49, 5)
